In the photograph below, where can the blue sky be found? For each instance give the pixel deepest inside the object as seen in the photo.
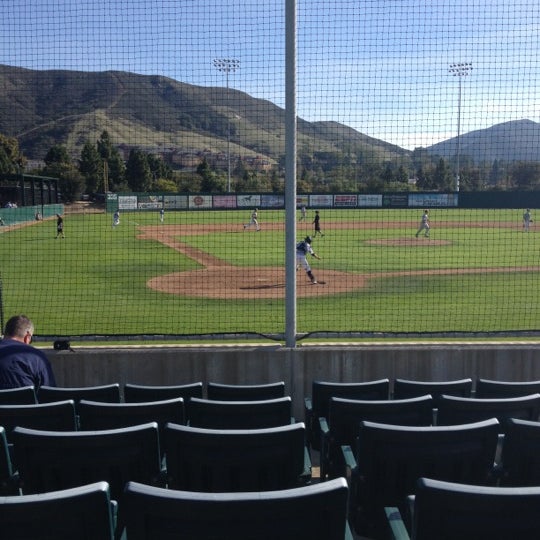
(379, 66)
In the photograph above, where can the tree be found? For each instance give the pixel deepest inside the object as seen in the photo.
(91, 167)
(442, 177)
(11, 159)
(210, 182)
(115, 163)
(526, 175)
(138, 174)
(58, 164)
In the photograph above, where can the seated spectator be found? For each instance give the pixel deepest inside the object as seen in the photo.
(20, 363)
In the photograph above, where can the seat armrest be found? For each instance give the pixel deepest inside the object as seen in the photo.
(305, 477)
(397, 527)
(324, 446)
(350, 462)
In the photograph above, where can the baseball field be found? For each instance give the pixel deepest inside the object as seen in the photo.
(201, 272)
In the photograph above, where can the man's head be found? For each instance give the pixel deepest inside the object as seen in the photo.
(19, 328)
(308, 239)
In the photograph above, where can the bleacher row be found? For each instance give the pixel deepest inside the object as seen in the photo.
(404, 459)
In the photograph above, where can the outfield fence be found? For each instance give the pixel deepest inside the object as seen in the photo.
(191, 116)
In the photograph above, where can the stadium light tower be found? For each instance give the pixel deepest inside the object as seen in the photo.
(459, 70)
(227, 65)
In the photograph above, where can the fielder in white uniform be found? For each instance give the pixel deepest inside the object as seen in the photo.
(424, 225)
(303, 249)
(254, 221)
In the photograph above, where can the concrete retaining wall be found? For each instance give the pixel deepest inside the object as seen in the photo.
(297, 367)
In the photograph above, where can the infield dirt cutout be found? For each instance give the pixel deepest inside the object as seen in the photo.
(220, 280)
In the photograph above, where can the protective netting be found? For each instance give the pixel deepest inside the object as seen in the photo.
(403, 106)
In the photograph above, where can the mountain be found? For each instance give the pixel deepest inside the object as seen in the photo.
(158, 114)
(517, 140)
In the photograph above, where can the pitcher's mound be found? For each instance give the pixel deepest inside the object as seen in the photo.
(252, 282)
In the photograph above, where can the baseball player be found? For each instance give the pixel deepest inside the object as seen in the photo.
(116, 218)
(317, 224)
(424, 225)
(254, 221)
(527, 220)
(303, 249)
(161, 215)
(303, 213)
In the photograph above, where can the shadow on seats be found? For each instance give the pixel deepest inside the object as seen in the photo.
(305, 513)
(236, 460)
(344, 417)
(468, 512)
(25, 395)
(455, 410)
(316, 406)
(82, 512)
(406, 389)
(58, 416)
(109, 393)
(246, 392)
(521, 454)
(488, 389)
(211, 414)
(389, 459)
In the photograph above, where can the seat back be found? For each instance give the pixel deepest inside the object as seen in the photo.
(81, 512)
(134, 393)
(488, 389)
(96, 415)
(234, 460)
(304, 513)
(469, 512)
(52, 460)
(406, 389)
(455, 410)
(109, 393)
(25, 395)
(521, 454)
(8, 478)
(246, 392)
(345, 415)
(213, 414)
(392, 458)
(58, 416)
(322, 391)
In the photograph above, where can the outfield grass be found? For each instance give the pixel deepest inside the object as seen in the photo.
(94, 281)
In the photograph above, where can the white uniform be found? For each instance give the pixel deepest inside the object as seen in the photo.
(253, 222)
(303, 249)
(424, 225)
(116, 219)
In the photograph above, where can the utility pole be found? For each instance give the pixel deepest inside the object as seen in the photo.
(459, 70)
(227, 65)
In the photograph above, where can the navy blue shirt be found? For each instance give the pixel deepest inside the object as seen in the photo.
(23, 365)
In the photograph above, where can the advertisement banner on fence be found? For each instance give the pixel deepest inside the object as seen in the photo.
(302, 200)
(224, 201)
(244, 201)
(432, 200)
(149, 202)
(272, 201)
(200, 201)
(325, 201)
(175, 202)
(395, 200)
(342, 201)
(127, 202)
(369, 201)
